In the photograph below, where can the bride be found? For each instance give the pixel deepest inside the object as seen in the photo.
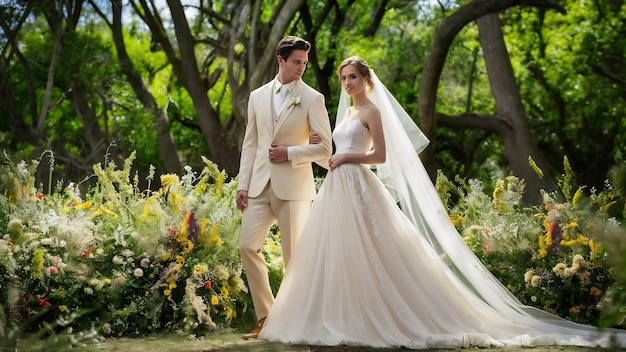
(366, 272)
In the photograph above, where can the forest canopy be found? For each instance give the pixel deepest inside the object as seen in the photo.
(499, 86)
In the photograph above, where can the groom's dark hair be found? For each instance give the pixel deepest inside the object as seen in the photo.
(290, 43)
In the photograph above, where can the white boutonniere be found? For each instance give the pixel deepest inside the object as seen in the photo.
(295, 100)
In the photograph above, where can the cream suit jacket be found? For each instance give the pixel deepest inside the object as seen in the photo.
(291, 180)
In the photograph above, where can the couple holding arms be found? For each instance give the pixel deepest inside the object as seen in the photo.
(359, 269)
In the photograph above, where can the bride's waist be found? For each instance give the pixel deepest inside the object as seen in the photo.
(349, 150)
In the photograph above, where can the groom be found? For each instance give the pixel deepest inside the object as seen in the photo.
(275, 173)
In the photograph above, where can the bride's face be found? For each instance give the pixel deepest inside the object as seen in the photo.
(351, 81)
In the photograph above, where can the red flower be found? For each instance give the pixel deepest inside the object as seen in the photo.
(207, 285)
(44, 303)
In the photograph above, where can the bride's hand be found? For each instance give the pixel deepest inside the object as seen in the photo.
(336, 161)
(314, 138)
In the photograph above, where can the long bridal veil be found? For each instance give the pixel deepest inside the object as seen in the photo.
(406, 178)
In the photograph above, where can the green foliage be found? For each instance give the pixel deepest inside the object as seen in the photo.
(550, 256)
(122, 260)
(119, 261)
(568, 68)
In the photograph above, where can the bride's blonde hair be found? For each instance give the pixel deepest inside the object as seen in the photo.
(362, 67)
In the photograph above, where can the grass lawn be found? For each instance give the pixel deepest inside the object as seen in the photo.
(232, 342)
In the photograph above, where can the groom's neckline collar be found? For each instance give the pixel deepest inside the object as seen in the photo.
(289, 86)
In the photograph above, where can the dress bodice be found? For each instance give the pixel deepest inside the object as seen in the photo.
(352, 136)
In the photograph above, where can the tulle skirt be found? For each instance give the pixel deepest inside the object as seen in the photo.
(361, 275)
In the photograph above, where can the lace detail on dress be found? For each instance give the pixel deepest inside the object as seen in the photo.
(362, 198)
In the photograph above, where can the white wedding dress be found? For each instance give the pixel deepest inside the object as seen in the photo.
(362, 274)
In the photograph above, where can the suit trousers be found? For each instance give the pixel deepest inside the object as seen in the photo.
(256, 222)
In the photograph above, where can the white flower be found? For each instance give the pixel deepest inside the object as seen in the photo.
(97, 284)
(220, 272)
(528, 275)
(127, 252)
(534, 282)
(106, 328)
(295, 100)
(118, 260)
(47, 241)
(145, 262)
(138, 272)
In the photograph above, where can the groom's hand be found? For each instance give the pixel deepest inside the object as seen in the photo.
(314, 138)
(277, 153)
(242, 200)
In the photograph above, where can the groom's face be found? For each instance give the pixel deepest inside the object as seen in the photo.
(293, 67)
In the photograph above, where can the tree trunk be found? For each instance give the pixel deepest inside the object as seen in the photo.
(167, 145)
(444, 34)
(518, 143)
(55, 17)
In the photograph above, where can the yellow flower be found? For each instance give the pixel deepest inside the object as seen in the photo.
(224, 291)
(535, 167)
(204, 222)
(180, 259)
(612, 271)
(577, 196)
(457, 219)
(200, 269)
(200, 187)
(592, 246)
(63, 308)
(104, 210)
(214, 239)
(219, 184)
(498, 192)
(230, 313)
(568, 243)
(177, 199)
(607, 205)
(168, 179)
(571, 225)
(84, 205)
(36, 269)
(165, 257)
(172, 285)
(150, 207)
(214, 300)
(187, 246)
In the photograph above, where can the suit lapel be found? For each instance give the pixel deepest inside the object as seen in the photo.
(268, 95)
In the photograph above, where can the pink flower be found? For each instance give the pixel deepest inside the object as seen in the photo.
(52, 270)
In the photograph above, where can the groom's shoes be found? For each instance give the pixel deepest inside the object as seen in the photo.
(255, 332)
